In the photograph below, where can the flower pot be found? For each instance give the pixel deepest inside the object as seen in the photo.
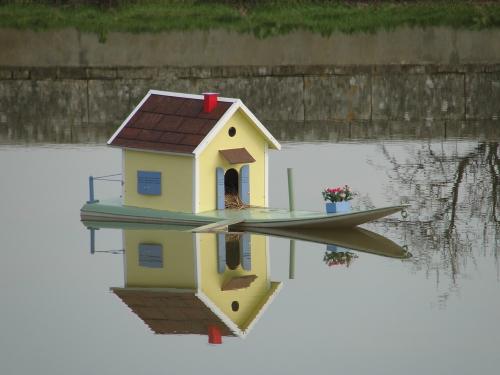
(336, 207)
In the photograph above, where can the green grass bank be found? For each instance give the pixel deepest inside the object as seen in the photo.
(261, 18)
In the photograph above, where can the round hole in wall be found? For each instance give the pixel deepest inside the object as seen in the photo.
(231, 131)
(235, 306)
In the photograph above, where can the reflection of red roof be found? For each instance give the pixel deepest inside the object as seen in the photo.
(171, 312)
(169, 123)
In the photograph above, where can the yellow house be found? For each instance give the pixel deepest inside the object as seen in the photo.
(183, 283)
(184, 152)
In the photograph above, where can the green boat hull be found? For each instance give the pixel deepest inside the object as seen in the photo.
(255, 217)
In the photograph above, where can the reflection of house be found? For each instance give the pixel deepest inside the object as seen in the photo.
(180, 282)
(183, 152)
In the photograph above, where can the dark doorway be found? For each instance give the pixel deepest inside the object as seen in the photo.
(232, 251)
(231, 182)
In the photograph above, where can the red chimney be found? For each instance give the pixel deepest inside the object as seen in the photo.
(209, 101)
(214, 335)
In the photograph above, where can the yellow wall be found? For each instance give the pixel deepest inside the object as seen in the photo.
(179, 265)
(176, 180)
(247, 136)
(250, 299)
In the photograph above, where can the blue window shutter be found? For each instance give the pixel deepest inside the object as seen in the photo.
(150, 255)
(149, 183)
(221, 252)
(220, 188)
(245, 184)
(246, 251)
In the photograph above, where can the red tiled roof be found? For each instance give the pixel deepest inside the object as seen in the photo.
(172, 312)
(169, 123)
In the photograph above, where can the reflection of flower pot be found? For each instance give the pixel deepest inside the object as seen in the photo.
(338, 256)
(336, 249)
(344, 206)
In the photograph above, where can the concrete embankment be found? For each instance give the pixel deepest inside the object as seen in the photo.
(62, 83)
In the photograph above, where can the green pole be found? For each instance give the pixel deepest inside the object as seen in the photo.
(291, 206)
(291, 267)
(291, 198)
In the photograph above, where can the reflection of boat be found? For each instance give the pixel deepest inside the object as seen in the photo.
(350, 238)
(353, 238)
(247, 218)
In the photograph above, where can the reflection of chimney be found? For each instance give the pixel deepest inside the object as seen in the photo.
(214, 335)
(209, 101)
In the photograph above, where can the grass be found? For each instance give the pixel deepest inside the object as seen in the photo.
(263, 19)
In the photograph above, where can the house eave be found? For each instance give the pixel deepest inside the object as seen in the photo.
(125, 122)
(238, 104)
(154, 151)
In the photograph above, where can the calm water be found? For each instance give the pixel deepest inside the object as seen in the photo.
(436, 312)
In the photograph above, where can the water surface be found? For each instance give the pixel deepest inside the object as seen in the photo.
(436, 312)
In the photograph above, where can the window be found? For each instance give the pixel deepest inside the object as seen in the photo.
(149, 183)
(150, 255)
(232, 131)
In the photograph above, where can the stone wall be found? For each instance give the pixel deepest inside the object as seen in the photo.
(67, 86)
(403, 45)
(311, 93)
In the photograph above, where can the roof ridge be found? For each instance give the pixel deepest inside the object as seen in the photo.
(186, 129)
(170, 131)
(190, 96)
(177, 115)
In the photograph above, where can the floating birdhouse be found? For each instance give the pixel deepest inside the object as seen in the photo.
(185, 152)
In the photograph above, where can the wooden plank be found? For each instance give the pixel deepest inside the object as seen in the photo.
(246, 252)
(245, 184)
(237, 155)
(221, 252)
(220, 188)
(254, 217)
(219, 225)
(238, 282)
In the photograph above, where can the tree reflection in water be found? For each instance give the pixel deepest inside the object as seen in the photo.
(453, 220)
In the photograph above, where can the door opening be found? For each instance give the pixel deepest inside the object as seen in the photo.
(231, 182)
(233, 258)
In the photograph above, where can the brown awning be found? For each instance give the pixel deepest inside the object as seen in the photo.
(239, 282)
(237, 155)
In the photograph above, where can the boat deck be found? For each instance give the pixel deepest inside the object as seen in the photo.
(114, 210)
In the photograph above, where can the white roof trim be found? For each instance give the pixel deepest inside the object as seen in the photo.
(238, 104)
(190, 96)
(217, 127)
(263, 309)
(261, 127)
(129, 117)
(225, 319)
(228, 322)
